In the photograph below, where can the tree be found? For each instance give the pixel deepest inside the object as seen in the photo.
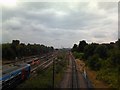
(102, 51)
(74, 47)
(17, 49)
(93, 62)
(114, 57)
(118, 43)
(15, 42)
(82, 45)
(7, 51)
(89, 50)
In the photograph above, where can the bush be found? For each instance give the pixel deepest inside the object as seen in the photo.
(94, 62)
(109, 76)
(78, 55)
(102, 51)
(89, 50)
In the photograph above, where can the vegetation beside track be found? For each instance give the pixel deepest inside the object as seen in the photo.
(60, 67)
(101, 58)
(40, 79)
(44, 78)
(17, 50)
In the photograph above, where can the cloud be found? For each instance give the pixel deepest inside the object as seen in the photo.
(61, 24)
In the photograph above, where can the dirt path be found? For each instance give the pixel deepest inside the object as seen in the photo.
(91, 75)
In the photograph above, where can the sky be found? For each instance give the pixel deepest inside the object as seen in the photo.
(60, 24)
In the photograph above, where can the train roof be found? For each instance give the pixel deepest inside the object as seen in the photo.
(9, 68)
(6, 70)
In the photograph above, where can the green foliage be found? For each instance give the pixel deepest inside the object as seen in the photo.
(94, 62)
(114, 57)
(109, 75)
(42, 80)
(59, 71)
(7, 51)
(105, 59)
(82, 45)
(17, 49)
(118, 43)
(101, 50)
(79, 48)
(74, 48)
(60, 66)
(89, 50)
(78, 55)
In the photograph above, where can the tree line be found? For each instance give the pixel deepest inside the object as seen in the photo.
(103, 58)
(16, 49)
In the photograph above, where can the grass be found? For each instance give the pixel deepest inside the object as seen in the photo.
(44, 79)
(106, 73)
(60, 66)
(91, 75)
(109, 76)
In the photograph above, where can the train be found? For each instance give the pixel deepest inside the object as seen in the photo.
(34, 61)
(14, 74)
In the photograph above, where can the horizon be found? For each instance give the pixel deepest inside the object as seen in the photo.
(60, 24)
(62, 46)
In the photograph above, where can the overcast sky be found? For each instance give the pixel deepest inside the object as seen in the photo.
(60, 24)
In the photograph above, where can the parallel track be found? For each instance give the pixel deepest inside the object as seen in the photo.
(74, 74)
(78, 80)
(43, 65)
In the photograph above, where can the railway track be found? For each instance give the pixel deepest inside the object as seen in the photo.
(43, 65)
(74, 74)
(24, 60)
(79, 80)
(73, 78)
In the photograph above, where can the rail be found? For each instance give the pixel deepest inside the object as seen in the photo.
(44, 65)
(74, 74)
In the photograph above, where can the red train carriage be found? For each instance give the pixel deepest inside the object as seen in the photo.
(34, 61)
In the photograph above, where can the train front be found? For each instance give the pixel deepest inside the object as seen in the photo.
(12, 75)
